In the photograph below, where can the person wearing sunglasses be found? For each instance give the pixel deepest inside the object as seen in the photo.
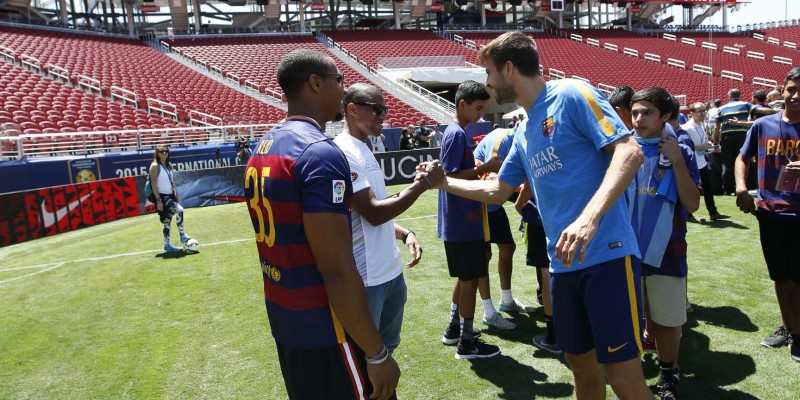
(165, 192)
(298, 189)
(374, 233)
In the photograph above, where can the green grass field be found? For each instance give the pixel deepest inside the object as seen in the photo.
(101, 313)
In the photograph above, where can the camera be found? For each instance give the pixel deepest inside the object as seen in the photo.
(241, 143)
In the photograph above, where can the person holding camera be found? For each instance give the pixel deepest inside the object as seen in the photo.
(243, 151)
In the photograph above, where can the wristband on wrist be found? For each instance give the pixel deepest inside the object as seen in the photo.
(379, 358)
(405, 235)
(430, 186)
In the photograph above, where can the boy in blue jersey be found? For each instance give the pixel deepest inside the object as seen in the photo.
(665, 190)
(461, 224)
(579, 158)
(775, 142)
(298, 187)
(497, 144)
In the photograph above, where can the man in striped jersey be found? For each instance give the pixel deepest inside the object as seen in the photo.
(298, 187)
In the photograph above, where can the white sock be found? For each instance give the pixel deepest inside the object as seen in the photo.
(506, 297)
(488, 308)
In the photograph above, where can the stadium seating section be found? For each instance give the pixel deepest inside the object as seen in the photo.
(695, 54)
(424, 47)
(132, 65)
(610, 68)
(256, 59)
(784, 34)
(31, 103)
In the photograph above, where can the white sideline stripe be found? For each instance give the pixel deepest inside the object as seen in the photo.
(110, 256)
(32, 273)
(50, 266)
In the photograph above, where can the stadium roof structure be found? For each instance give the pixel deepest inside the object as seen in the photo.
(247, 16)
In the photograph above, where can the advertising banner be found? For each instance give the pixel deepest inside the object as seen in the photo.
(46, 212)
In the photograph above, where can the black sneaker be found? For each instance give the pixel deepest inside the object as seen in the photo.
(453, 334)
(475, 348)
(667, 385)
(780, 338)
(541, 343)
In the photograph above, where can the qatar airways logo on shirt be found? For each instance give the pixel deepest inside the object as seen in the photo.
(545, 162)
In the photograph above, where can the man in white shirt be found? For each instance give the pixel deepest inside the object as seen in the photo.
(374, 233)
(697, 132)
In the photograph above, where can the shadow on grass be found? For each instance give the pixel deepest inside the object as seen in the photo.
(706, 371)
(173, 254)
(723, 223)
(725, 317)
(518, 381)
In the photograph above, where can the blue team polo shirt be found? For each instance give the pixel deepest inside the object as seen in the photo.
(560, 152)
(460, 219)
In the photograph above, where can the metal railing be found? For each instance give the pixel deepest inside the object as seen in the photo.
(78, 143)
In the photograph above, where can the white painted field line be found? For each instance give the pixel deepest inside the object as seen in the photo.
(41, 271)
(100, 258)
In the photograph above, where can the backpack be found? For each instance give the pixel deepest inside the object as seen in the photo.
(148, 189)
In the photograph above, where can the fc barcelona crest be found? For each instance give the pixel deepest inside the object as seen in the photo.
(548, 126)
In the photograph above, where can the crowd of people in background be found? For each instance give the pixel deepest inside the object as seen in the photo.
(605, 187)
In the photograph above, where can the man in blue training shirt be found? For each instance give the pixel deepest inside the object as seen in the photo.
(665, 190)
(580, 158)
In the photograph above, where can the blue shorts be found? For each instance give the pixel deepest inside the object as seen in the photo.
(599, 308)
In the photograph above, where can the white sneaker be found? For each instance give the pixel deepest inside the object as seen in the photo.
(516, 306)
(499, 322)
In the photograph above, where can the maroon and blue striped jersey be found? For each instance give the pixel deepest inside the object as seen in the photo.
(775, 142)
(295, 169)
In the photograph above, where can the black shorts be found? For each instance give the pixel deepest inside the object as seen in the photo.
(499, 228)
(779, 240)
(338, 372)
(467, 260)
(537, 247)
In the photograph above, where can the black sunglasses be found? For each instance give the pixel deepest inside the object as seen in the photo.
(377, 108)
(339, 76)
(164, 151)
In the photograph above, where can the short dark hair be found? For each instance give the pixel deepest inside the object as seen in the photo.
(657, 96)
(358, 92)
(295, 68)
(512, 46)
(621, 97)
(760, 96)
(676, 108)
(793, 75)
(470, 91)
(716, 103)
(734, 93)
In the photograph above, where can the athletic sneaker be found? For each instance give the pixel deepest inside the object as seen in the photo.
(185, 238)
(667, 385)
(475, 348)
(452, 334)
(778, 339)
(169, 249)
(540, 342)
(499, 322)
(516, 306)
